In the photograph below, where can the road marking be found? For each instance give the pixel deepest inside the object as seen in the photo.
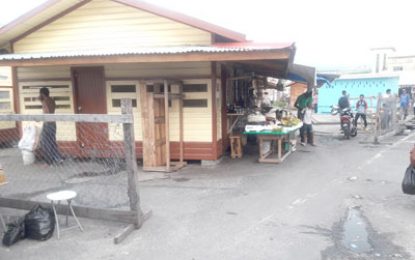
(380, 154)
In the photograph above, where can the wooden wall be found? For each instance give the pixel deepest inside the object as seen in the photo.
(107, 25)
(197, 120)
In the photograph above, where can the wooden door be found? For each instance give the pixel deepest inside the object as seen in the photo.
(90, 98)
(154, 127)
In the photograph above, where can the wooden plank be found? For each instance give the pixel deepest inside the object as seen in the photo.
(131, 163)
(160, 142)
(90, 118)
(167, 119)
(129, 217)
(181, 128)
(159, 120)
(124, 233)
(144, 101)
(214, 109)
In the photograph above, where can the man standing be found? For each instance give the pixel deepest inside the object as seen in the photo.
(361, 107)
(48, 144)
(404, 101)
(303, 101)
(344, 101)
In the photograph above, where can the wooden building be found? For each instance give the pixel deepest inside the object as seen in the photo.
(92, 53)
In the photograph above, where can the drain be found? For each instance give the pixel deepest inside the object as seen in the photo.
(355, 235)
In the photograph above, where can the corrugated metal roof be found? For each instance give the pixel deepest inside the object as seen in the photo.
(147, 51)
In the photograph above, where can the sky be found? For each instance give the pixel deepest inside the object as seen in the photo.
(329, 34)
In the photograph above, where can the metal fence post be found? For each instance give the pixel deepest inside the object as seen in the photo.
(131, 163)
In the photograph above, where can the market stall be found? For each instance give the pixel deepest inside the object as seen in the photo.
(257, 115)
(275, 141)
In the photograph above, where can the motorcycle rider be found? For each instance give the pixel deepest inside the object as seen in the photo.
(343, 103)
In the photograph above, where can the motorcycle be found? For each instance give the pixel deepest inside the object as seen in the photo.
(346, 120)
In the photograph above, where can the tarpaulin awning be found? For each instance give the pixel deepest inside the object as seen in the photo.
(303, 74)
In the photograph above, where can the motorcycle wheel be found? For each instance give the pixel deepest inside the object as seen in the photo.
(353, 132)
(346, 131)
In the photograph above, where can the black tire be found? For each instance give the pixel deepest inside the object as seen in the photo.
(347, 132)
(353, 132)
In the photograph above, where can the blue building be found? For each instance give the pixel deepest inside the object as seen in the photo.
(355, 85)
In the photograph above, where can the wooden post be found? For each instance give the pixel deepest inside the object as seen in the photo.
(378, 122)
(181, 124)
(167, 119)
(214, 112)
(131, 163)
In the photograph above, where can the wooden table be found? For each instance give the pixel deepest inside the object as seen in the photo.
(277, 139)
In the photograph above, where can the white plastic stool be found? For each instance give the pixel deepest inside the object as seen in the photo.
(59, 196)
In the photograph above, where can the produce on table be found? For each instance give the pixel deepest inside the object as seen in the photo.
(290, 121)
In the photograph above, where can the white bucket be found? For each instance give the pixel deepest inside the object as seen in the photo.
(28, 157)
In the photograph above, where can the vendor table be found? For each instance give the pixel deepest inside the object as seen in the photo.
(277, 139)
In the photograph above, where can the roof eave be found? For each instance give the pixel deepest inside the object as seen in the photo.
(27, 16)
(280, 54)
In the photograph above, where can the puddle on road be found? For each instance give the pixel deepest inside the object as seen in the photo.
(181, 179)
(355, 235)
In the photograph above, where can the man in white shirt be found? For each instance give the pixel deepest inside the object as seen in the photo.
(307, 128)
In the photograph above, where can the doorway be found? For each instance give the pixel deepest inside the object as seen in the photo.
(90, 98)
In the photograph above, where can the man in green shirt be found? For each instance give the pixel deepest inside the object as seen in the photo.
(303, 101)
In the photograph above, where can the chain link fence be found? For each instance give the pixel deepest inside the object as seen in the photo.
(386, 117)
(93, 155)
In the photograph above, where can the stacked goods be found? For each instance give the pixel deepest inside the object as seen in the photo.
(290, 121)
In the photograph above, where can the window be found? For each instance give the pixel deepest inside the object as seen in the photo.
(123, 89)
(194, 88)
(6, 102)
(61, 92)
(196, 94)
(118, 90)
(117, 102)
(195, 103)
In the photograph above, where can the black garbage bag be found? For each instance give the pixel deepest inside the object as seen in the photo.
(15, 232)
(39, 223)
(408, 183)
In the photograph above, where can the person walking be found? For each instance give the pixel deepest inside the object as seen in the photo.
(404, 101)
(307, 128)
(48, 145)
(361, 107)
(387, 106)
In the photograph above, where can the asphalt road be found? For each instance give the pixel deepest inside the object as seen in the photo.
(339, 200)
